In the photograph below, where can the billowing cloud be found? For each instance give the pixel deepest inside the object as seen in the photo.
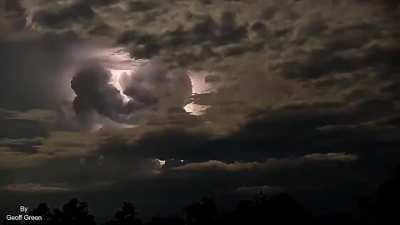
(150, 88)
(94, 92)
(153, 84)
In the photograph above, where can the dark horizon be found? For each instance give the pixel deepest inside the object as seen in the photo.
(380, 207)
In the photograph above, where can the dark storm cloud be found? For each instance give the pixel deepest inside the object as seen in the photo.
(79, 11)
(311, 127)
(94, 92)
(101, 2)
(390, 4)
(206, 33)
(295, 43)
(151, 87)
(333, 60)
(210, 32)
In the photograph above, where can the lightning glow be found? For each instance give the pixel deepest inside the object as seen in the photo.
(199, 86)
(116, 80)
(120, 64)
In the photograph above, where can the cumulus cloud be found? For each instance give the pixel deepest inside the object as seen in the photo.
(94, 92)
(154, 84)
(149, 88)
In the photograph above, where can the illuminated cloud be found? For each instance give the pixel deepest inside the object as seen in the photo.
(270, 164)
(35, 188)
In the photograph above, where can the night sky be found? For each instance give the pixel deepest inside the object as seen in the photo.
(162, 102)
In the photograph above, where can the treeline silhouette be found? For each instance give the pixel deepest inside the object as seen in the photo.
(380, 208)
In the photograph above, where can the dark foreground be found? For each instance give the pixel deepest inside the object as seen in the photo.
(380, 208)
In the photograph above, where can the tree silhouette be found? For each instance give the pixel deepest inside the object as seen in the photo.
(277, 209)
(44, 211)
(170, 220)
(203, 212)
(74, 212)
(380, 208)
(126, 216)
(384, 208)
